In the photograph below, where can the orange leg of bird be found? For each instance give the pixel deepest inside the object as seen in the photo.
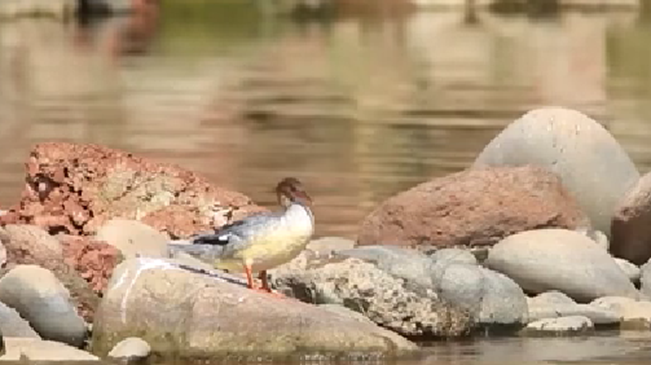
(265, 285)
(249, 277)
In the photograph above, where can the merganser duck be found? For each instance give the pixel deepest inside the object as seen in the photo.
(260, 242)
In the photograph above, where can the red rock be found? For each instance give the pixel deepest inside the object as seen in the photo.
(93, 260)
(75, 188)
(473, 207)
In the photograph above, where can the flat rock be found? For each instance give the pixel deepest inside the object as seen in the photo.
(634, 314)
(366, 288)
(13, 325)
(631, 232)
(186, 315)
(133, 238)
(131, 349)
(31, 245)
(554, 304)
(492, 298)
(557, 259)
(44, 302)
(591, 163)
(471, 208)
(328, 246)
(75, 189)
(571, 324)
(40, 350)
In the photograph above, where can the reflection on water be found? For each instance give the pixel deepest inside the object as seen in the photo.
(359, 108)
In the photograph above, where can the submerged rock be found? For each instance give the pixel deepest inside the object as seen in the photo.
(41, 299)
(182, 314)
(473, 208)
(592, 165)
(563, 260)
(75, 189)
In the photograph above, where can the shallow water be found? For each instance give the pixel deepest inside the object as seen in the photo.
(359, 107)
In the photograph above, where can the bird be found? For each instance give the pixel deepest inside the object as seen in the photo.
(260, 242)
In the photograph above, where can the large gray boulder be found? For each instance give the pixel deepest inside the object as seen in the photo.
(189, 315)
(557, 259)
(591, 163)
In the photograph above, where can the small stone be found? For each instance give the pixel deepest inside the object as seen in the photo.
(572, 324)
(13, 325)
(40, 350)
(42, 300)
(631, 232)
(132, 348)
(133, 238)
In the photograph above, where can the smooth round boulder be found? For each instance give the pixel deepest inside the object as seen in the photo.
(557, 259)
(44, 302)
(13, 325)
(591, 163)
(630, 229)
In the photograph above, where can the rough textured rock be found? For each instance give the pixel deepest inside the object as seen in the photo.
(131, 349)
(404, 263)
(633, 314)
(591, 163)
(31, 245)
(43, 301)
(133, 238)
(473, 207)
(39, 350)
(563, 260)
(13, 325)
(188, 315)
(76, 188)
(633, 272)
(491, 297)
(630, 228)
(383, 296)
(571, 324)
(93, 260)
(554, 304)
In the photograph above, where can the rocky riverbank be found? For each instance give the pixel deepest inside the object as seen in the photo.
(544, 234)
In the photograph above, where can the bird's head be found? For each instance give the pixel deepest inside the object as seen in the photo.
(290, 190)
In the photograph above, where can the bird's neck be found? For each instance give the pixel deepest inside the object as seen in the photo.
(298, 211)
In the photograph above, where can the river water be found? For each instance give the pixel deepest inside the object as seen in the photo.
(359, 107)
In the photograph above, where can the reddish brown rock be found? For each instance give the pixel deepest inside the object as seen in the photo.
(74, 188)
(31, 245)
(93, 260)
(473, 207)
(630, 227)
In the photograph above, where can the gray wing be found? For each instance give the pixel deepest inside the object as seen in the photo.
(232, 237)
